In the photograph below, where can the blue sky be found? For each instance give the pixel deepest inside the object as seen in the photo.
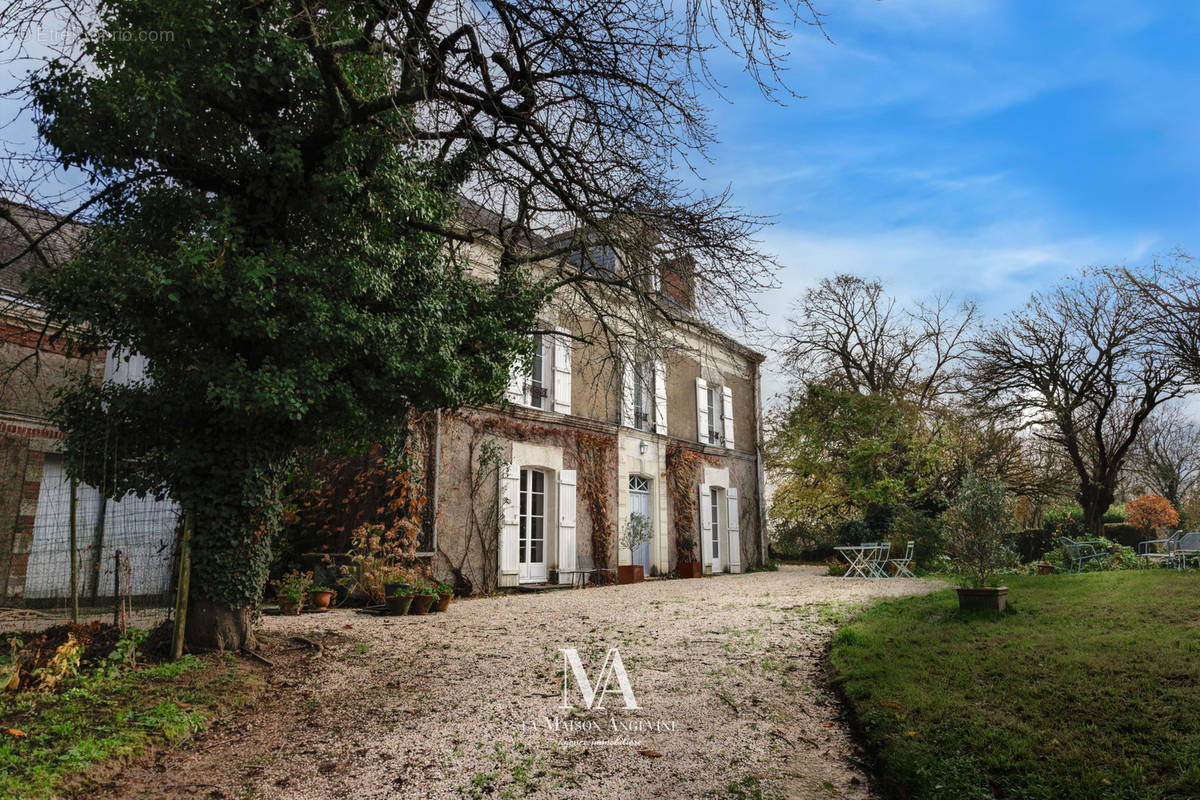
(981, 146)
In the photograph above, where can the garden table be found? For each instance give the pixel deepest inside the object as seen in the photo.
(862, 561)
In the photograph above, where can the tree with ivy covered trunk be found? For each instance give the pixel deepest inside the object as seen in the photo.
(276, 193)
(282, 295)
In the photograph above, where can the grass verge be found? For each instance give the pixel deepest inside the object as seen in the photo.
(1087, 687)
(50, 739)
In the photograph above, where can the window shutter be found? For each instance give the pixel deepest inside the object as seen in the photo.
(702, 410)
(627, 395)
(727, 414)
(660, 397)
(517, 381)
(704, 540)
(566, 524)
(562, 372)
(733, 527)
(510, 488)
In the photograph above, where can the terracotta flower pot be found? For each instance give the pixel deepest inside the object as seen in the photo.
(422, 602)
(986, 598)
(630, 573)
(1045, 568)
(443, 601)
(689, 569)
(289, 607)
(399, 604)
(321, 599)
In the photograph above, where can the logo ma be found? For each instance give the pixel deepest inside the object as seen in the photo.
(593, 696)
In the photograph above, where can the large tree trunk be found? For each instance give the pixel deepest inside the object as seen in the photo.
(214, 626)
(1095, 500)
(230, 552)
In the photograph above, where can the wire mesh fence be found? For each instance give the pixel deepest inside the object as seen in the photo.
(88, 557)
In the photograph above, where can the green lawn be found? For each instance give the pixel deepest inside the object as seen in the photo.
(1087, 687)
(51, 739)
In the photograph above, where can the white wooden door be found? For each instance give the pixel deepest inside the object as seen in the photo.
(531, 545)
(710, 526)
(639, 503)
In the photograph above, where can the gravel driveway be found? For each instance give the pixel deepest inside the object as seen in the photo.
(726, 672)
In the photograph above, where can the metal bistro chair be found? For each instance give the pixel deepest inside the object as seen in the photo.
(1079, 552)
(1187, 549)
(901, 564)
(879, 560)
(1149, 550)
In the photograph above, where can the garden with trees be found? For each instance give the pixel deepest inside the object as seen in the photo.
(1075, 403)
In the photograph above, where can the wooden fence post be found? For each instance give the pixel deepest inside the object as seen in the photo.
(74, 545)
(182, 586)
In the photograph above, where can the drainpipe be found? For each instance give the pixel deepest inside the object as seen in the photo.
(437, 469)
(762, 486)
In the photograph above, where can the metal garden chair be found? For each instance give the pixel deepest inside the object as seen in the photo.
(1078, 553)
(1187, 549)
(879, 559)
(1163, 551)
(901, 564)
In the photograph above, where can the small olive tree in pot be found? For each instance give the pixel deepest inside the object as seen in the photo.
(637, 533)
(979, 532)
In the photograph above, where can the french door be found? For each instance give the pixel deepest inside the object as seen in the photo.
(714, 533)
(532, 544)
(639, 503)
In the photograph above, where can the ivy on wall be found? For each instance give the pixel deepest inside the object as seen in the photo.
(597, 474)
(596, 459)
(683, 467)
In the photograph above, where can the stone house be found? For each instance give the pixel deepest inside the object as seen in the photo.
(540, 488)
(534, 490)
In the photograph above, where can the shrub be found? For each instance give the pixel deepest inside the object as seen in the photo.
(1151, 511)
(979, 528)
(925, 531)
(853, 531)
(803, 541)
(878, 518)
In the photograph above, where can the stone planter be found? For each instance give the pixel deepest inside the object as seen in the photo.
(690, 569)
(987, 598)
(631, 573)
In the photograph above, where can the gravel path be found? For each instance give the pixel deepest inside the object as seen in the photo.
(466, 703)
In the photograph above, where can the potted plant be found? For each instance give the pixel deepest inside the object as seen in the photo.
(687, 566)
(445, 593)
(399, 604)
(321, 597)
(423, 598)
(980, 528)
(636, 534)
(290, 590)
(377, 562)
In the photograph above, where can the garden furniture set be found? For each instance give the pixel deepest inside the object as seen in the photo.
(871, 560)
(1179, 550)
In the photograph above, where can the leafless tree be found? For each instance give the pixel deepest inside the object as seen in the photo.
(1080, 368)
(848, 332)
(564, 125)
(1165, 458)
